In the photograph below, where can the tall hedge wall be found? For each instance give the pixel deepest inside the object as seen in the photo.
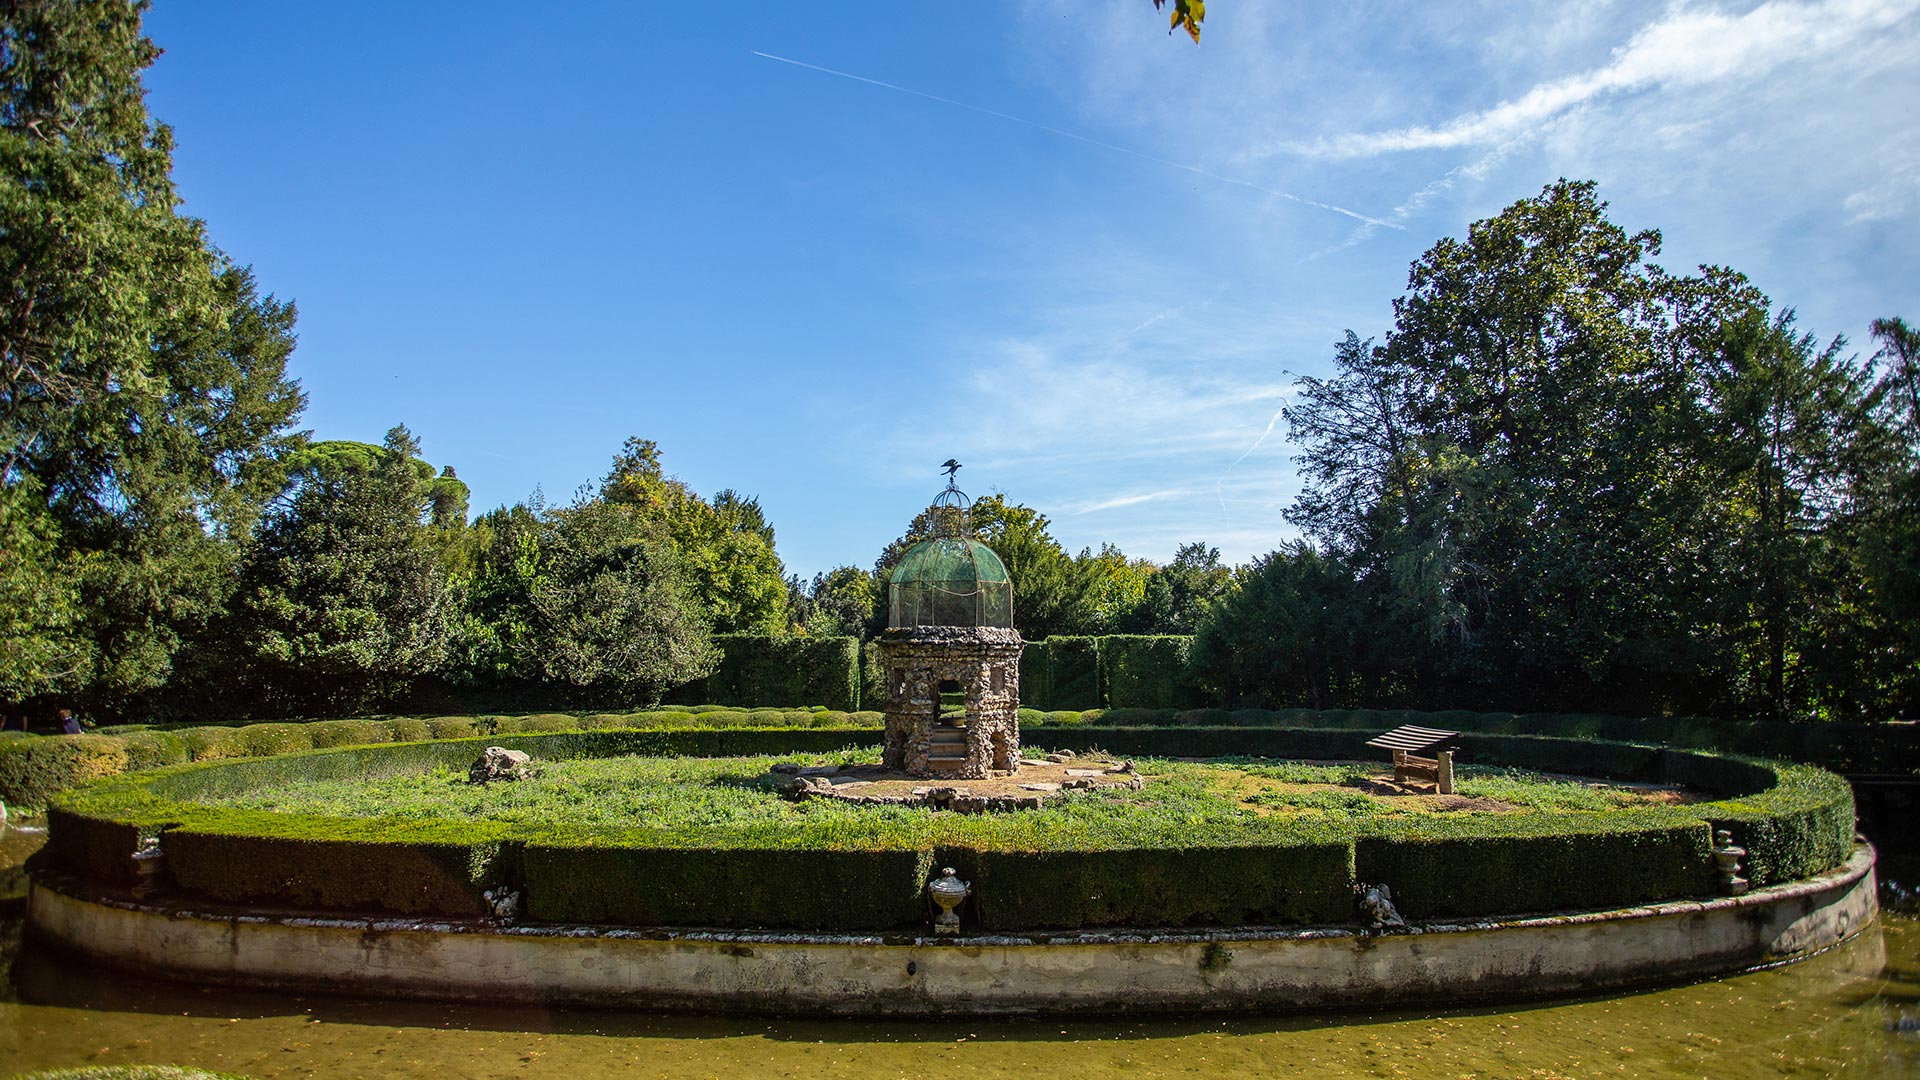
(1145, 671)
(758, 669)
(1073, 673)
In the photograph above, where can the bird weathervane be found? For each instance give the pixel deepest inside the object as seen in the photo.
(952, 467)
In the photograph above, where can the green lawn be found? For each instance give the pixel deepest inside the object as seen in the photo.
(696, 794)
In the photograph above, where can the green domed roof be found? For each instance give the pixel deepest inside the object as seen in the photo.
(950, 581)
(949, 559)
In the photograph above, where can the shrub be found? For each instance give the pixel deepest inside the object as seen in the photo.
(651, 886)
(1306, 882)
(520, 725)
(151, 750)
(325, 733)
(409, 730)
(1514, 863)
(416, 868)
(265, 740)
(1054, 869)
(762, 669)
(1035, 687)
(32, 769)
(1073, 673)
(1145, 671)
(456, 727)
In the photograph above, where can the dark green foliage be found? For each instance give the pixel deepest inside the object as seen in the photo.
(614, 610)
(1178, 597)
(342, 600)
(98, 847)
(1570, 478)
(758, 669)
(838, 602)
(410, 867)
(1035, 690)
(1144, 671)
(1793, 820)
(143, 389)
(1305, 882)
(32, 769)
(1521, 863)
(1287, 635)
(1073, 673)
(873, 678)
(801, 890)
(725, 546)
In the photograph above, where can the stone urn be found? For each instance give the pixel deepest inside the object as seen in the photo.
(947, 891)
(1726, 860)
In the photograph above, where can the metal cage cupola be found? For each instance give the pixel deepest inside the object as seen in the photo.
(950, 579)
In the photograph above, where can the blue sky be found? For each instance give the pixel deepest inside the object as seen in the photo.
(1082, 256)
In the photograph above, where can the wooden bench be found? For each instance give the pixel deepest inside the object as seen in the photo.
(1410, 745)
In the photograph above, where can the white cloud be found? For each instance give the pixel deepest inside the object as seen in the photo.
(1686, 48)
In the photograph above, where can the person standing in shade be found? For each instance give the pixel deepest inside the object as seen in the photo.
(68, 725)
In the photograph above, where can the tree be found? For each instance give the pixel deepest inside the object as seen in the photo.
(342, 600)
(838, 602)
(614, 615)
(1187, 15)
(1286, 635)
(1177, 597)
(496, 639)
(1886, 524)
(1590, 482)
(143, 394)
(1788, 417)
(726, 546)
(1051, 593)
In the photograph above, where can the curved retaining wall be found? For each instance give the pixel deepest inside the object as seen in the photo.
(886, 975)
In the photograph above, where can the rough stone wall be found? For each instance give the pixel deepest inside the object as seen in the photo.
(985, 661)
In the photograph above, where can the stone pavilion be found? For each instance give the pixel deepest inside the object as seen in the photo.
(950, 654)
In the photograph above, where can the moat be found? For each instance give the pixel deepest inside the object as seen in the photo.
(1852, 1011)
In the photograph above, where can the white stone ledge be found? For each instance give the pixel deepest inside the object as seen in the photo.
(1246, 968)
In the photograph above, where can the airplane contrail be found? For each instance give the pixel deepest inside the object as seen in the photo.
(1217, 493)
(1194, 169)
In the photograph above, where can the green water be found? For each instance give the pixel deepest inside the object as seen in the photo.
(1835, 1014)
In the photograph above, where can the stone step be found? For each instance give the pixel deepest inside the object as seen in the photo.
(946, 764)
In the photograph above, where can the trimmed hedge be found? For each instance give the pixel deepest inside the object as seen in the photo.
(1036, 690)
(34, 767)
(1145, 671)
(1516, 863)
(416, 868)
(1305, 882)
(1073, 673)
(585, 881)
(758, 669)
(1795, 821)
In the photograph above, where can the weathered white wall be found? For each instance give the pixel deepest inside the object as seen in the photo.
(869, 975)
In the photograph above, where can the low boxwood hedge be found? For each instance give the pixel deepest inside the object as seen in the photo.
(1795, 821)
(34, 767)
